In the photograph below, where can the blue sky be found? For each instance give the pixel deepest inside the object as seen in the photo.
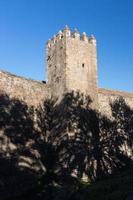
(26, 25)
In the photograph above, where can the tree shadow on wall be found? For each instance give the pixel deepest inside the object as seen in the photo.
(88, 145)
(71, 127)
(82, 143)
(116, 137)
(61, 142)
(16, 136)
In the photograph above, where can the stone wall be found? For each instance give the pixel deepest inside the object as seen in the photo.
(34, 92)
(81, 70)
(72, 63)
(17, 169)
(56, 67)
(106, 96)
(30, 91)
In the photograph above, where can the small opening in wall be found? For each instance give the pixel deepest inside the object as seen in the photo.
(83, 65)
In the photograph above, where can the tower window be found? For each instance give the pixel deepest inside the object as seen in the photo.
(83, 65)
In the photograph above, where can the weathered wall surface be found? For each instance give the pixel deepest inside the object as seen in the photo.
(81, 69)
(72, 63)
(56, 66)
(17, 120)
(105, 97)
(29, 91)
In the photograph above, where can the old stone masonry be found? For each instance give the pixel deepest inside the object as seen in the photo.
(44, 130)
(71, 63)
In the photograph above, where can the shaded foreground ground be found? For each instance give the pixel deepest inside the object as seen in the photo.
(117, 187)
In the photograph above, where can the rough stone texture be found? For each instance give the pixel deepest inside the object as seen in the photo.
(29, 91)
(72, 64)
(81, 71)
(56, 67)
(106, 96)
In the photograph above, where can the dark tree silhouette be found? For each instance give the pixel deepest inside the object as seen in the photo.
(61, 142)
(16, 127)
(116, 137)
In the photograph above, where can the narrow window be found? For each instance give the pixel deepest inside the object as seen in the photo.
(83, 65)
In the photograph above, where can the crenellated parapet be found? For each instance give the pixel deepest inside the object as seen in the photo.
(67, 33)
(71, 61)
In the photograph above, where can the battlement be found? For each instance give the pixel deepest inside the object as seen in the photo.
(67, 33)
(71, 61)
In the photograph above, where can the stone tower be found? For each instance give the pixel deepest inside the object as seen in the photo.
(71, 62)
